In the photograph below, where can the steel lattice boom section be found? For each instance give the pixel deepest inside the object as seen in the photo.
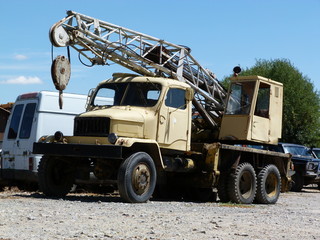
(100, 41)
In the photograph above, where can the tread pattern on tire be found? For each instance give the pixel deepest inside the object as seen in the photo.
(234, 184)
(262, 195)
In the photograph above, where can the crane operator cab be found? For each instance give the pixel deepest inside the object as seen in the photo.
(253, 111)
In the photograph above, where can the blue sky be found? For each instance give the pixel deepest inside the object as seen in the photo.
(221, 34)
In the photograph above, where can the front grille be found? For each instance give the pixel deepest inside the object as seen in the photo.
(91, 126)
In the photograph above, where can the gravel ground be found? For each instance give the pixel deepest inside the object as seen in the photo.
(25, 215)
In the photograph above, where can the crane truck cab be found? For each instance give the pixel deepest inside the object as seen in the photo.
(34, 115)
(253, 111)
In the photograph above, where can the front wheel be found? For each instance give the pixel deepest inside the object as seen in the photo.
(137, 178)
(242, 186)
(269, 185)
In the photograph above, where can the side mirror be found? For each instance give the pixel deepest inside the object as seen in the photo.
(90, 94)
(189, 94)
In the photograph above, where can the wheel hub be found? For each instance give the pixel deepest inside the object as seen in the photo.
(141, 179)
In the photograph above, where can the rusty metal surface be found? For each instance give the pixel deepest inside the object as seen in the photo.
(60, 72)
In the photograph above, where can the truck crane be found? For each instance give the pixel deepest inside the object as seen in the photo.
(169, 128)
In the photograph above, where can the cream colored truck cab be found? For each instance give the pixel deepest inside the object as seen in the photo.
(141, 109)
(254, 110)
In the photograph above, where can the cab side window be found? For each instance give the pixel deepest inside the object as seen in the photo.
(176, 98)
(263, 101)
(15, 121)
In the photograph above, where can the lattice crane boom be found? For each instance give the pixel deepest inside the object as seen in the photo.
(100, 41)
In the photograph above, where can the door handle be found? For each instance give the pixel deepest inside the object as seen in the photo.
(162, 119)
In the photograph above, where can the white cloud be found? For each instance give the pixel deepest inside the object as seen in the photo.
(20, 57)
(22, 80)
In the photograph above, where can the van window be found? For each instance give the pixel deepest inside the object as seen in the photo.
(27, 120)
(15, 120)
(176, 98)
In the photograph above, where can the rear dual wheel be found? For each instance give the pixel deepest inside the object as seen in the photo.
(269, 185)
(242, 185)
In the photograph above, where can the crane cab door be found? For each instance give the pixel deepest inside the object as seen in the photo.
(260, 127)
(174, 121)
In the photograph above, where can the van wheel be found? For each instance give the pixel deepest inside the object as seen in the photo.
(137, 178)
(242, 185)
(56, 176)
(269, 185)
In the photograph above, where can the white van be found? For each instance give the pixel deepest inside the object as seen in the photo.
(34, 115)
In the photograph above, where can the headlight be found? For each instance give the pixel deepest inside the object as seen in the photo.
(112, 137)
(58, 136)
(312, 166)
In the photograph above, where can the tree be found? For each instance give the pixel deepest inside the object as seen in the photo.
(301, 105)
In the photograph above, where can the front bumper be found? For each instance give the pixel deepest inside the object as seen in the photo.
(79, 150)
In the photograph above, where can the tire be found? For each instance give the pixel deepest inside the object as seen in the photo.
(268, 185)
(137, 178)
(223, 187)
(56, 177)
(298, 182)
(243, 184)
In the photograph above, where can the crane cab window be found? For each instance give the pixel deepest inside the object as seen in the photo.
(240, 99)
(263, 100)
(176, 98)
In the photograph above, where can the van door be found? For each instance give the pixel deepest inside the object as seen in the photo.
(16, 147)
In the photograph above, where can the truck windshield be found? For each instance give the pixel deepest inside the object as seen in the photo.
(240, 98)
(140, 94)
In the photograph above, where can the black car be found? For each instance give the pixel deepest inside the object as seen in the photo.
(306, 164)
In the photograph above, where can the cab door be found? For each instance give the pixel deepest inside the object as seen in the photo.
(174, 121)
(261, 118)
